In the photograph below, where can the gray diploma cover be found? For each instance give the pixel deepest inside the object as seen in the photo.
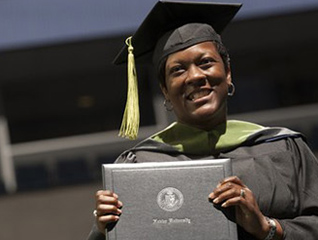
(169, 200)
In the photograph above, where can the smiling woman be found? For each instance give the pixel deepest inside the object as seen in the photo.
(272, 192)
(197, 85)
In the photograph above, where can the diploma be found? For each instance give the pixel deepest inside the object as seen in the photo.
(169, 200)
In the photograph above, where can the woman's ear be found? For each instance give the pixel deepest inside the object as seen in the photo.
(164, 91)
(229, 75)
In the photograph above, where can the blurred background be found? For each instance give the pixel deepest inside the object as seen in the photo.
(61, 99)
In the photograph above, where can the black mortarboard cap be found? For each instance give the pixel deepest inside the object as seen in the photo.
(169, 15)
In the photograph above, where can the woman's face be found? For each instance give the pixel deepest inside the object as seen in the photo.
(197, 85)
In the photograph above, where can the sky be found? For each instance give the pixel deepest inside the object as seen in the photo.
(26, 23)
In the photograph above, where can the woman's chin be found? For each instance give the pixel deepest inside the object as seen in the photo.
(207, 115)
(204, 112)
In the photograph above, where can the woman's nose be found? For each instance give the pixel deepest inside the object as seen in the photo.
(195, 76)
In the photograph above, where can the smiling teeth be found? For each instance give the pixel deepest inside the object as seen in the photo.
(199, 94)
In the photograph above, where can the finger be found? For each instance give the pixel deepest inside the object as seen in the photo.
(228, 194)
(108, 218)
(235, 201)
(233, 179)
(223, 188)
(104, 209)
(108, 199)
(106, 193)
(242, 203)
(102, 199)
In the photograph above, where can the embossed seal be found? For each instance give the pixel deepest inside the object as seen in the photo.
(170, 199)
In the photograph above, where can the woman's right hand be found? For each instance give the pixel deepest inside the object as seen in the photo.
(107, 208)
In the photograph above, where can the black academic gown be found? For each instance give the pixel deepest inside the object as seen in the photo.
(276, 164)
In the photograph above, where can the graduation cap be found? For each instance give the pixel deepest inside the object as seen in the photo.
(169, 27)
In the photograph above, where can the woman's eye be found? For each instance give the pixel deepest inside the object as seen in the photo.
(206, 61)
(176, 69)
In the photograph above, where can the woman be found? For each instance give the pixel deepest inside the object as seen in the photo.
(272, 190)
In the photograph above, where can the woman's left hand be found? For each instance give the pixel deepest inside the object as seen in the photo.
(232, 192)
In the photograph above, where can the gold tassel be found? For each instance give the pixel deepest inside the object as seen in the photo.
(130, 123)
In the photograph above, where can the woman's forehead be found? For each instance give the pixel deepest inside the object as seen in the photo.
(193, 52)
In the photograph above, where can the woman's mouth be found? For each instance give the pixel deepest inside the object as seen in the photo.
(199, 94)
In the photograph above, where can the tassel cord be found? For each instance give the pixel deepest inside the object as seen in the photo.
(130, 123)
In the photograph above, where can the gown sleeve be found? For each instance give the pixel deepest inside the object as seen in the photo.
(95, 234)
(305, 224)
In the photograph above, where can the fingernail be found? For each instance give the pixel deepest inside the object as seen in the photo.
(224, 204)
(120, 204)
(211, 195)
(216, 201)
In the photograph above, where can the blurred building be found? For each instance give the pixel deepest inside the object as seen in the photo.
(62, 99)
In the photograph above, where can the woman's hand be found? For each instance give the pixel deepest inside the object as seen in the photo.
(107, 208)
(232, 192)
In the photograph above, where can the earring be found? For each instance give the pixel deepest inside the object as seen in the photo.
(231, 90)
(168, 105)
